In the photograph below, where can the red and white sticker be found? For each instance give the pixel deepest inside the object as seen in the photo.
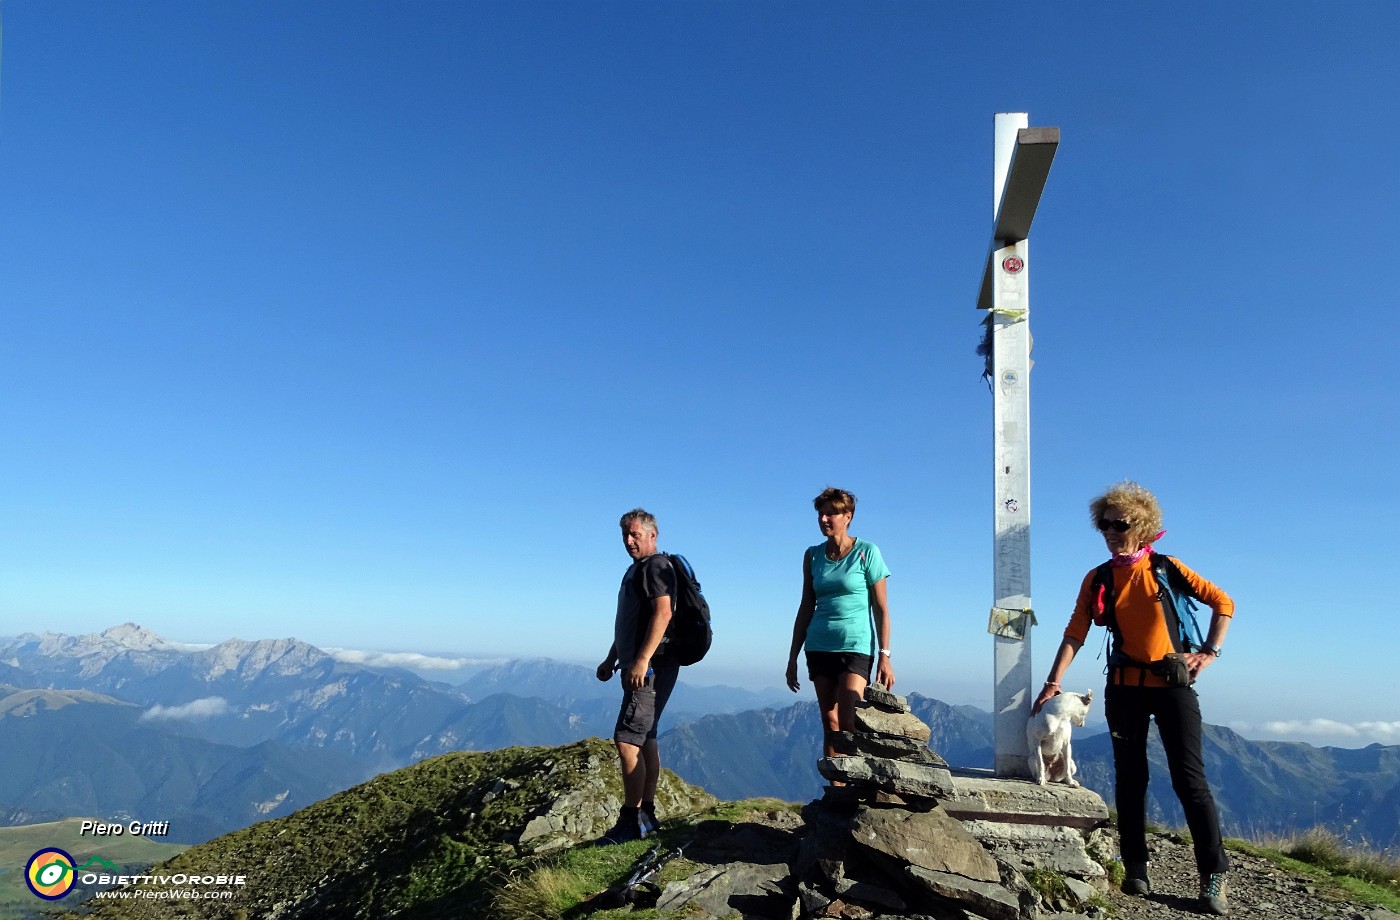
(1012, 265)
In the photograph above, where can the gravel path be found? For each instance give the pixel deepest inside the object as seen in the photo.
(1258, 891)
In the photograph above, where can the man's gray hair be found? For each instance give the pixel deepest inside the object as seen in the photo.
(639, 514)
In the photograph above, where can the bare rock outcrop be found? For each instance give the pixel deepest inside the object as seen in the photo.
(899, 836)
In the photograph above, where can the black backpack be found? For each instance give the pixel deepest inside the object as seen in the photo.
(688, 636)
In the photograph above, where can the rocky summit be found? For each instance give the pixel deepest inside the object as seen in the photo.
(897, 836)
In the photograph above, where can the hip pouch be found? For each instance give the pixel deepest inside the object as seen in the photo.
(1174, 670)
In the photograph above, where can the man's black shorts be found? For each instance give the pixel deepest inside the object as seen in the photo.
(641, 709)
(831, 665)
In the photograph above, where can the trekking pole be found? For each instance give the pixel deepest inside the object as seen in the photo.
(646, 870)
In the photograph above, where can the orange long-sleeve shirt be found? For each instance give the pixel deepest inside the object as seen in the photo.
(1140, 622)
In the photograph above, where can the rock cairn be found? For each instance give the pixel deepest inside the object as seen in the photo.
(897, 834)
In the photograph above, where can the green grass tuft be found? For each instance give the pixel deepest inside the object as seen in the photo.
(1047, 883)
(1357, 873)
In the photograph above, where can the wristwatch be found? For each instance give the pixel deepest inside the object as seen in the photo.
(1213, 649)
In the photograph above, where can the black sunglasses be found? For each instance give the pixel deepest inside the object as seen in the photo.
(1119, 526)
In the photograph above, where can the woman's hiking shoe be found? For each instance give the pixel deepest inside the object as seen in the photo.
(1214, 890)
(1136, 882)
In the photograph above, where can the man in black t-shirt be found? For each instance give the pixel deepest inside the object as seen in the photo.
(644, 603)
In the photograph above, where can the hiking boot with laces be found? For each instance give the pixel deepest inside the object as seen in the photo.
(1214, 889)
(1135, 881)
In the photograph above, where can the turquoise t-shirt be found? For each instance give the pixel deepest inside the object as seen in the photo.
(842, 620)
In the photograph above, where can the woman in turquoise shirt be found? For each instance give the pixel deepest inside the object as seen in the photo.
(843, 595)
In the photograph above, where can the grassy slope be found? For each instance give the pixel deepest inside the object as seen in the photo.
(427, 841)
(1369, 878)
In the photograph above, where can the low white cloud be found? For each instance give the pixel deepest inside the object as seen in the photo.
(205, 708)
(188, 646)
(1326, 731)
(412, 661)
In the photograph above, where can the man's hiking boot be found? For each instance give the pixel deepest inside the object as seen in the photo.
(647, 819)
(627, 829)
(1214, 890)
(1136, 882)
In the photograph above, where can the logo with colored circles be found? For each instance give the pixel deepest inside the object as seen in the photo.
(49, 873)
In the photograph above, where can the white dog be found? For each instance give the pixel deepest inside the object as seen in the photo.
(1047, 736)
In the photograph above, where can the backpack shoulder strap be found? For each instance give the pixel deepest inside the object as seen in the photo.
(1178, 608)
(1101, 597)
(681, 566)
(678, 567)
(640, 575)
(1101, 609)
(1177, 581)
(1166, 600)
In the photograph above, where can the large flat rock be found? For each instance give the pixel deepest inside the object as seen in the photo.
(926, 780)
(901, 724)
(891, 747)
(879, 696)
(988, 899)
(714, 888)
(929, 839)
(849, 798)
(979, 797)
(1030, 846)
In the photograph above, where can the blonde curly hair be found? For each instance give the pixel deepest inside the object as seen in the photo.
(1136, 504)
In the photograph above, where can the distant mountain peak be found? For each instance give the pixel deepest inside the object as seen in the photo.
(279, 656)
(132, 649)
(133, 636)
(112, 640)
(92, 652)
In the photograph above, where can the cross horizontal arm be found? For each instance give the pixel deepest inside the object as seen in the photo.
(1025, 180)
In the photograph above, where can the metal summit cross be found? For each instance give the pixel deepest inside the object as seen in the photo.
(1022, 163)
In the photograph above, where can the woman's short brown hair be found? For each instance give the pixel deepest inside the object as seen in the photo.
(840, 501)
(1136, 504)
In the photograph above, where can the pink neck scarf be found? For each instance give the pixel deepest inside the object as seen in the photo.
(1125, 559)
(1121, 561)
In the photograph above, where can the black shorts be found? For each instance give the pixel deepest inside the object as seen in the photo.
(831, 665)
(641, 709)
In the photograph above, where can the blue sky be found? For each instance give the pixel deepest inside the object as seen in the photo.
(364, 322)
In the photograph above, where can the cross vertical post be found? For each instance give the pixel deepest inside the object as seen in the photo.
(1022, 163)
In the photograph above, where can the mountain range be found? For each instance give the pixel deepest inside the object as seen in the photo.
(217, 737)
(74, 753)
(1272, 787)
(776, 750)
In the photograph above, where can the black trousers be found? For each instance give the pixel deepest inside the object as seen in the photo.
(1178, 714)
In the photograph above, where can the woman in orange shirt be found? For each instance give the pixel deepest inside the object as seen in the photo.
(1141, 686)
